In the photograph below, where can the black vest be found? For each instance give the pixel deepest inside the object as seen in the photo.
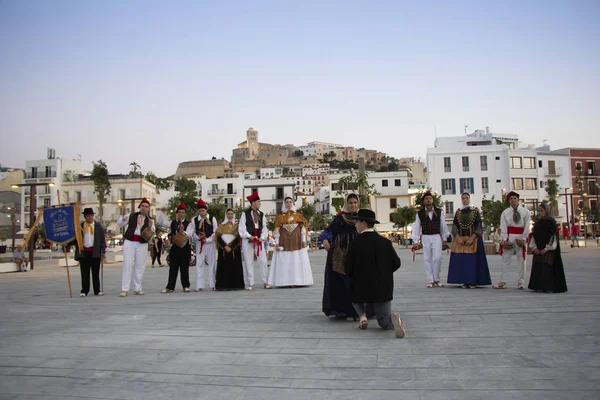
(250, 221)
(132, 224)
(206, 226)
(428, 226)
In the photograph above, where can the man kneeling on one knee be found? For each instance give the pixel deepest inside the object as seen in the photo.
(370, 264)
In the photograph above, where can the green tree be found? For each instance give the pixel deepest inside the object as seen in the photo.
(403, 217)
(136, 170)
(491, 211)
(185, 185)
(359, 183)
(102, 185)
(160, 183)
(217, 210)
(188, 198)
(437, 199)
(308, 210)
(552, 189)
(239, 210)
(298, 153)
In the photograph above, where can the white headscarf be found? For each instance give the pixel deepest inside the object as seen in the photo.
(284, 208)
(463, 207)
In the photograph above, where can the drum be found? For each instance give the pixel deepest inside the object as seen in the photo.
(180, 239)
(147, 234)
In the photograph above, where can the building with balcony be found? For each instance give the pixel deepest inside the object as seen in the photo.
(585, 177)
(554, 165)
(272, 193)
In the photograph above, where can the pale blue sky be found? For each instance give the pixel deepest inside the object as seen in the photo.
(164, 82)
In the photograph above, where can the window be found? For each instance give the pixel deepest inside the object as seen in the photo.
(540, 164)
(47, 203)
(483, 162)
(448, 186)
(254, 190)
(529, 162)
(591, 168)
(593, 204)
(517, 183)
(77, 196)
(498, 180)
(449, 207)
(392, 217)
(48, 172)
(393, 203)
(466, 185)
(230, 188)
(485, 185)
(465, 163)
(447, 164)
(592, 188)
(497, 158)
(578, 166)
(530, 184)
(121, 194)
(215, 188)
(279, 194)
(384, 182)
(397, 182)
(66, 197)
(278, 205)
(515, 163)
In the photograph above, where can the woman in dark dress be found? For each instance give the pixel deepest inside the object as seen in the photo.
(468, 263)
(547, 271)
(230, 275)
(336, 238)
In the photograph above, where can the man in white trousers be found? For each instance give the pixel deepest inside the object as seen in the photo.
(515, 226)
(253, 231)
(431, 227)
(203, 229)
(135, 247)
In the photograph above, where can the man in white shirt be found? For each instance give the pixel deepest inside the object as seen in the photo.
(94, 248)
(203, 228)
(253, 231)
(431, 223)
(515, 226)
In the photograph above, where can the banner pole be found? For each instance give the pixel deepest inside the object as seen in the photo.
(102, 274)
(68, 274)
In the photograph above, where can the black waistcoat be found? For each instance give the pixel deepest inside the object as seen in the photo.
(250, 221)
(132, 225)
(428, 226)
(174, 230)
(206, 226)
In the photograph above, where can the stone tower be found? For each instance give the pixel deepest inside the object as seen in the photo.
(252, 141)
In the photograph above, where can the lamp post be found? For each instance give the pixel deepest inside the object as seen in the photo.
(14, 225)
(32, 195)
(567, 209)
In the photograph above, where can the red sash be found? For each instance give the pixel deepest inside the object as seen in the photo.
(256, 243)
(515, 230)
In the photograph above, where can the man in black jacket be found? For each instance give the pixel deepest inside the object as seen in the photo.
(370, 264)
(94, 248)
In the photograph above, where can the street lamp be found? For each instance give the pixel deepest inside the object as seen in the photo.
(32, 195)
(567, 208)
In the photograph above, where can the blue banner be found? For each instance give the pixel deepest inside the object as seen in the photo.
(60, 224)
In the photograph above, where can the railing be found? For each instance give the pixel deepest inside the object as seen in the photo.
(41, 174)
(555, 172)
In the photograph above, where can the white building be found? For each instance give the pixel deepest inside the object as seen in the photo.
(394, 190)
(554, 164)
(477, 163)
(323, 200)
(272, 193)
(52, 170)
(270, 173)
(227, 190)
(318, 148)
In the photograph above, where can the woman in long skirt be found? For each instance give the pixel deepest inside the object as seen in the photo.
(230, 275)
(547, 270)
(468, 263)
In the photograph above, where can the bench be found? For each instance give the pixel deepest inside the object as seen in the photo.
(8, 267)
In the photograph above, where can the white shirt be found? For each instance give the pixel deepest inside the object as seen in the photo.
(506, 220)
(244, 232)
(124, 220)
(88, 239)
(416, 229)
(191, 229)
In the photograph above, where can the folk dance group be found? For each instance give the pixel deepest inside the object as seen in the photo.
(223, 248)
(468, 263)
(360, 263)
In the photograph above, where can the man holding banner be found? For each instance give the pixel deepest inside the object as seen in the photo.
(94, 248)
(140, 229)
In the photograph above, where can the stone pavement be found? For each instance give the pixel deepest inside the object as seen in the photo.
(276, 344)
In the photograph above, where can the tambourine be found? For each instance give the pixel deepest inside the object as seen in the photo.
(180, 239)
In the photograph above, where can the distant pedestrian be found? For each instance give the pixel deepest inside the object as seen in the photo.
(94, 248)
(20, 258)
(574, 235)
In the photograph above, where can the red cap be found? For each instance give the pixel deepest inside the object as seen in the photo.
(144, 200)
(181, 206)
(253, 197)
(512, 193)
(427, 193)
(201, 204)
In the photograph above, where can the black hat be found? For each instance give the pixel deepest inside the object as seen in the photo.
(365, 215)
(87, 211)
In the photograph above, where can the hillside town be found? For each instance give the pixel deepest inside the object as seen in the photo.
(483, 163)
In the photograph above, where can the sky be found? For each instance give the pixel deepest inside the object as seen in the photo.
(160, 82)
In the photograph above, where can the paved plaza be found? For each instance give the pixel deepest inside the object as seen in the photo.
(277, 344)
